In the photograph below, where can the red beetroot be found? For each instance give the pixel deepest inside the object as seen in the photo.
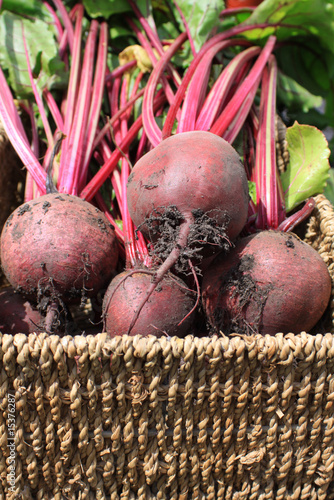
(196, 172)
(189, 192)
(271, 282)
(17, 315)
(58, 244)
(165, 312)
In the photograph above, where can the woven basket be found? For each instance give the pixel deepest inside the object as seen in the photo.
(195, 418)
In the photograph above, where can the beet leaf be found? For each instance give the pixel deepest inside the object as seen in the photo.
(201, 17)
(47, 67)
(308, 168)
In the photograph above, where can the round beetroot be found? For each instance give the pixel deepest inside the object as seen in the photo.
(59, 243)
(270, 282)
(164, 310)
(188, 175)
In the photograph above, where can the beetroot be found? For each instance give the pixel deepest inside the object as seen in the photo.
(58, 245)
(17, 315)
(185, 176)
(270, 282)
(189, 192)
(165, 312)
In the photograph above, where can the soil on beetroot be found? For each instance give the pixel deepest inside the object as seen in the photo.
(243, 290)
(271, 282)
(206, 236)
(58, 250)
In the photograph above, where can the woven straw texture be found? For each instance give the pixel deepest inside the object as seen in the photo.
(195, 418)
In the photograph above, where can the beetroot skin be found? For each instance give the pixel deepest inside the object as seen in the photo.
(270, 282)
(196, 173)
(167, 306)
(58, 242)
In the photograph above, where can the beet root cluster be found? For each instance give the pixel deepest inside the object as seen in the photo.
(189, 198)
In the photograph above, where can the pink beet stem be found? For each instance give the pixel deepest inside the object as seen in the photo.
(113, 95)
(240, 117)
(115, 178)
(151, 128)
(128, 228)
(151, 33)
(56, 21)
(270, 199)
(248, 86)
(71, 98)
(120, 70)
(95, 104)
(186, 27)
(153, 37)
(293, 220)
(106, 128)
(75, 144)
(218, 93)
(135, 250)
(53, 107)
(67, 22)
(141, 149)
(197, 89)
(179, 96)
(16, 134)
(145, 44)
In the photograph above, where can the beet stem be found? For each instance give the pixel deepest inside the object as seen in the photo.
(291, 222)
(180, 244)
(198, 290)
(95, 183)
(150, 126)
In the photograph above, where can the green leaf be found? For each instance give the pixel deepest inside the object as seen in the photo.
(308, 25)
(47, 67)
(309, 64)
(32, 8)
(105, 8)
(308, 168)
(119, 31)
(329, 189)
(252, 191)
(202, 17)
(119, 224)
(294, 95)
(292, 18)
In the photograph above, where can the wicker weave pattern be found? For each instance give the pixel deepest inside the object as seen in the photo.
(198, 418)
(227, 418)
(320, 235)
